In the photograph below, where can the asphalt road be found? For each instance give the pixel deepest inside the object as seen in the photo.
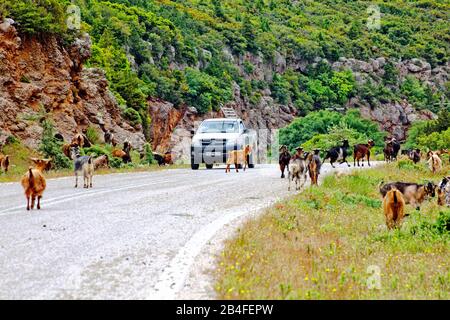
(133, 236)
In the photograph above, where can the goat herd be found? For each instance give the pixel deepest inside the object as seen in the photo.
(34, 183)
(299, 165)
(302, 163)
(395, 195)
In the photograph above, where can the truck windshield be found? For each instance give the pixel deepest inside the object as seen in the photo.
(219, 127)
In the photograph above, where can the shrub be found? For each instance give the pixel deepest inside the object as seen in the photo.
(92, 135)
(441, 227)
(36, 17)
(51, 147)
(115, 162)
(324, 129)
(11, 140)
(96, 151)
(133, 116)
(148, 155)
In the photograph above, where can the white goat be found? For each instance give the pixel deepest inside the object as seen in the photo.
(85, 165)
(298, 170)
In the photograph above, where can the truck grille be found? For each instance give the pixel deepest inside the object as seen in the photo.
(214, 142)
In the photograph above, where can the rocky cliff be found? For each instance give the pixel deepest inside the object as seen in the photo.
(42, 77)
(394, 117)
(171, 126)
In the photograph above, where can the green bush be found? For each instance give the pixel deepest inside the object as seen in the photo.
(51, 147)
(133, 116)
(97, 151)
(441, 227)
(323, 129)
(12, 140)
(115, 162)
(148, 155)
(433, 134)
(37, 16)
(92, 135)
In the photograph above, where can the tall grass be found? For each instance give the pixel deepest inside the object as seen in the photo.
(325, 242)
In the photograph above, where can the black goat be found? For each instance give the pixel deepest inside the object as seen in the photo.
(338, 154)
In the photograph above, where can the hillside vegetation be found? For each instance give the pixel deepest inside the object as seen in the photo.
(181, 51)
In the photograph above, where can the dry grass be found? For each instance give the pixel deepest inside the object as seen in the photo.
(320, 244)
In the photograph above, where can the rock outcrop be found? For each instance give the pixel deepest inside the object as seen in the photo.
(42, 78)
(394, 117)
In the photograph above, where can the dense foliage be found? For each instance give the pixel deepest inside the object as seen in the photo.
(182, 51)
(324, 129)
(430, 135)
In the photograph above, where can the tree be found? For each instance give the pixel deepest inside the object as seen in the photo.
(390, 73)
(280, 89)
(33, 17)
(249, 33)
(218, 9)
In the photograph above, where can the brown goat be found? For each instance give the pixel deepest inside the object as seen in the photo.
(4, 163)
(118, 153)
(413, 193)
(33, 182)
(238, 157)
(80, 140)
(168, 158)
(101, 162)
(66, 149)
(394, 208)
(360, 151)
(314, 164)
(283, 159)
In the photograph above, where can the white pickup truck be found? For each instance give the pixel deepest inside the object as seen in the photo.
(216, 137)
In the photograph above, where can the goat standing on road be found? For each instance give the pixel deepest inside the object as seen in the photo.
(360, 151)
(388, 151)
(33, 182)
(283, 159)
(298, 171)
(85, 165)
(314, 165)
(338, 154)
(238, 157)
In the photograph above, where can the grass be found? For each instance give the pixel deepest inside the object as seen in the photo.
(325, 242)
(20, 162)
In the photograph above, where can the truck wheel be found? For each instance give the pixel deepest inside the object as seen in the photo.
(194, 166)
(251, 165)
(209, 166)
